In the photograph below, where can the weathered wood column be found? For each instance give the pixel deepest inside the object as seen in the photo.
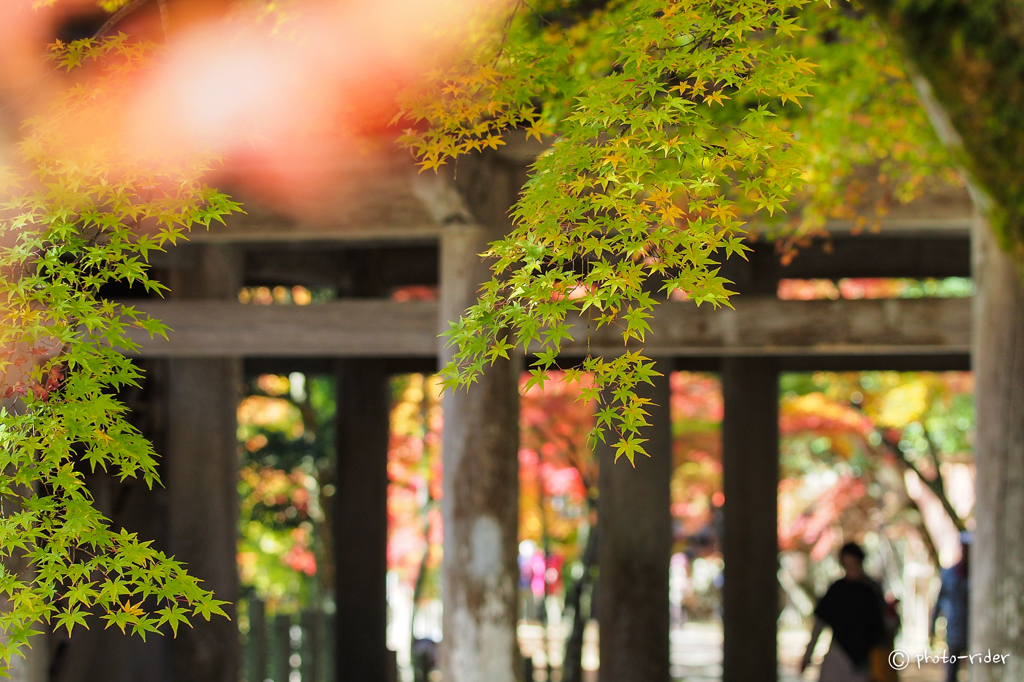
(361, 522)
(997, 556)
(635, 548)
(480, 574)
(201, 473)
(750, 472)
(481, 494)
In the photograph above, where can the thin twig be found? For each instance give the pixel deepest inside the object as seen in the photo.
(165, 17)
(104, 29)
(539, 15)
(505, 31)
(935, 485)
(117, 16)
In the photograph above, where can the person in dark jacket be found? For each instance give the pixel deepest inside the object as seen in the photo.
(952, 603)
(852, 609)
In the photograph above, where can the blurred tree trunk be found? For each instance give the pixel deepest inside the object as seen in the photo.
(572, 663)
(969, 71)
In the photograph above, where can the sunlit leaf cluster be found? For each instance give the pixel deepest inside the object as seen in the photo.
(651, 170)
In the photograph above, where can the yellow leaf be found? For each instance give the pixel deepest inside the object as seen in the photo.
(903, 404)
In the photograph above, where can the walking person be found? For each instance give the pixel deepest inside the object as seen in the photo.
(852, 609)
(952, 603)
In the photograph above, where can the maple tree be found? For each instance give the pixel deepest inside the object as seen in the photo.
(557, 471)
(79, 214)
(672, 126)
(673, 123)
(636, 185)
(286, 429)
(848, 441)
(697, 412)
(414, 485)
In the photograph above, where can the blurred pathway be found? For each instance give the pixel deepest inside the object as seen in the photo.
(696, 654)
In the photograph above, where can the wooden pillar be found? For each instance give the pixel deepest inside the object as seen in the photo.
(635, 548)
(361, 522)
(480, 508)
(750, 471)
(201, 474)
(997, 555)
(480, 575)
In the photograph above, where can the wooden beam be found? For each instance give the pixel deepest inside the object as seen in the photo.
(765, 325)
(354, 272)
(942, 254)
(759, 325)
(378, 196)
(948, 362)
(945, 255)
(350, 328)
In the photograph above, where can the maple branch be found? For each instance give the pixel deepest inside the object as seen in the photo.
(539, 15)
(505, 32)
(165, 18)
(934, 484)
(120, 14)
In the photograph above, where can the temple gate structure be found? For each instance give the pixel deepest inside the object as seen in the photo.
(387, 227)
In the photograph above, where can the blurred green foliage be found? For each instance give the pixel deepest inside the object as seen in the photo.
(286, 432)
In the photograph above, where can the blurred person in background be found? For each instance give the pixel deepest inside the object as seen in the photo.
(952, 603)
(853, 610)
